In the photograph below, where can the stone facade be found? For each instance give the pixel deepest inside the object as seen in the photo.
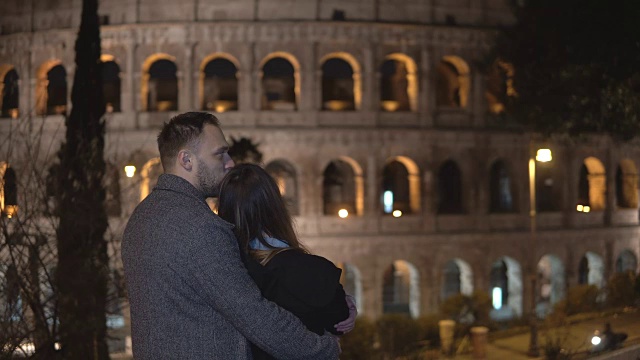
(424, 33)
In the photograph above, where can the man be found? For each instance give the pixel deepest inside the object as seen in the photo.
(190, 295)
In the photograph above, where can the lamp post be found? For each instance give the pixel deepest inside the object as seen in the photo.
(542, 155)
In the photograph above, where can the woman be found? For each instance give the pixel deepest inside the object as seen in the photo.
(286, 273)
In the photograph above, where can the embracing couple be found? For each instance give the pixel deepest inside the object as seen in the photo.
(237, 285)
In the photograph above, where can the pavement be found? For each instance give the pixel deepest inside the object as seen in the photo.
(575, 339)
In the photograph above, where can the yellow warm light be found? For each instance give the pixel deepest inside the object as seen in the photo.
(10, 210)
(586, 209)
(343, 213)
(579, 208)
(397, 213)
(543, 155)
(14, 113)
(130, 170)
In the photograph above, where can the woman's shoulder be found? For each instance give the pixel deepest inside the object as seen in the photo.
(299, 258)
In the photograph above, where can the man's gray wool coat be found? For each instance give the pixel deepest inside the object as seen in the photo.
(190, 294)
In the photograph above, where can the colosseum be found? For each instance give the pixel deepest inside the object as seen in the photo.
(379, 122)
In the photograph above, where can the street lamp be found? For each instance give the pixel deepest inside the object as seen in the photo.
(541, 155)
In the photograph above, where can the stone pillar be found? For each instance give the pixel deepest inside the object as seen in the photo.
(129, 95)
(426, 91)
(479, 336)
(447, 328)
(185, 81)
(371, 196)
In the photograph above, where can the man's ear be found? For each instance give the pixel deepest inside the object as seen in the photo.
(184, 159)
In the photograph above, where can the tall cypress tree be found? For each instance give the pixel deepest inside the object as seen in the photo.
(83, 265)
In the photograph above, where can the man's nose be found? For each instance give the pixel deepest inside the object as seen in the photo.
(229, 164)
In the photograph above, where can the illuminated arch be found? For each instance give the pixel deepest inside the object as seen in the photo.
(111, 83)
(286, 177)
(506, 274)
(3, 169)
(146, 66)
(411, 78)
(453, 91)
(341, 188)
(149, 174)
(413, 180)
(499, 85)
(457, 278)
(551, 283)
(357, 73)
(296, 71)
(592, 184)
(591, 270)
(202, 76)
(627, 261)
(351, 280)
(9, 104)
(401, 290)
(42, 82)
(626, 183)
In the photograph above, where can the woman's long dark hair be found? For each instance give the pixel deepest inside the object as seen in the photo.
(250, 199)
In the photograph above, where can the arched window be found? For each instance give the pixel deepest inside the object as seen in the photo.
(163, 86)
(499, 86)
(551, 283)
(400, 292)
(500, 188)
(592, 184)
(10, 94)
(285, 176)
(57, 91)
(449, 189)
(457, 279)
(627, 185)
(394, 85)
(220, 86)
(9, 193)
(505, 281)
(337, 85)
(591, 270)
(626, 261)
(339, 188)
(111, 85)
(352, 283)
(452, 82)
(150, 173)
(279, 85)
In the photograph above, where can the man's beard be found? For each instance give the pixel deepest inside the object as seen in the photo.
(208, 182)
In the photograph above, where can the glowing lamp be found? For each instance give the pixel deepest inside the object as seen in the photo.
(130, 170)
(543, 155)
(343, 213)
(397, 213)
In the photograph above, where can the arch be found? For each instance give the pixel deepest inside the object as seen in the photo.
(591, 270)
(9, 91)
(499, 85)
(351, 280)
(401, 293)
(3, 169)
(453, 82)
(506, 275)
(627, 261)
(401, 179)
(111, 84)
(145, 87)
(500, 188)
(338, 88)
(398, 83)
(343, 186)
(11, 306)
(9, 200)
(551, 283)
(592, 184)
(219, 83)
(42, 82)
(356, 79)
(285, 176)
(450, 188)
(627, 184)
(457, 278)
(281, 92)
(149, 174)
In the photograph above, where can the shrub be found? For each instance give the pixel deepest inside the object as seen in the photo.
(429, 334)
(359, 343)
(621, 289)
(581, 298)
(398, 335)
(471, 310)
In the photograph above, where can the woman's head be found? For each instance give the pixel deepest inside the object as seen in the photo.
(250, 199)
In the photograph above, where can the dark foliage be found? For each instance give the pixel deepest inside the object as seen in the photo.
(577, 66)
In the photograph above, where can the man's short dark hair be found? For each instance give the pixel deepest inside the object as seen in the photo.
(182, 131)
